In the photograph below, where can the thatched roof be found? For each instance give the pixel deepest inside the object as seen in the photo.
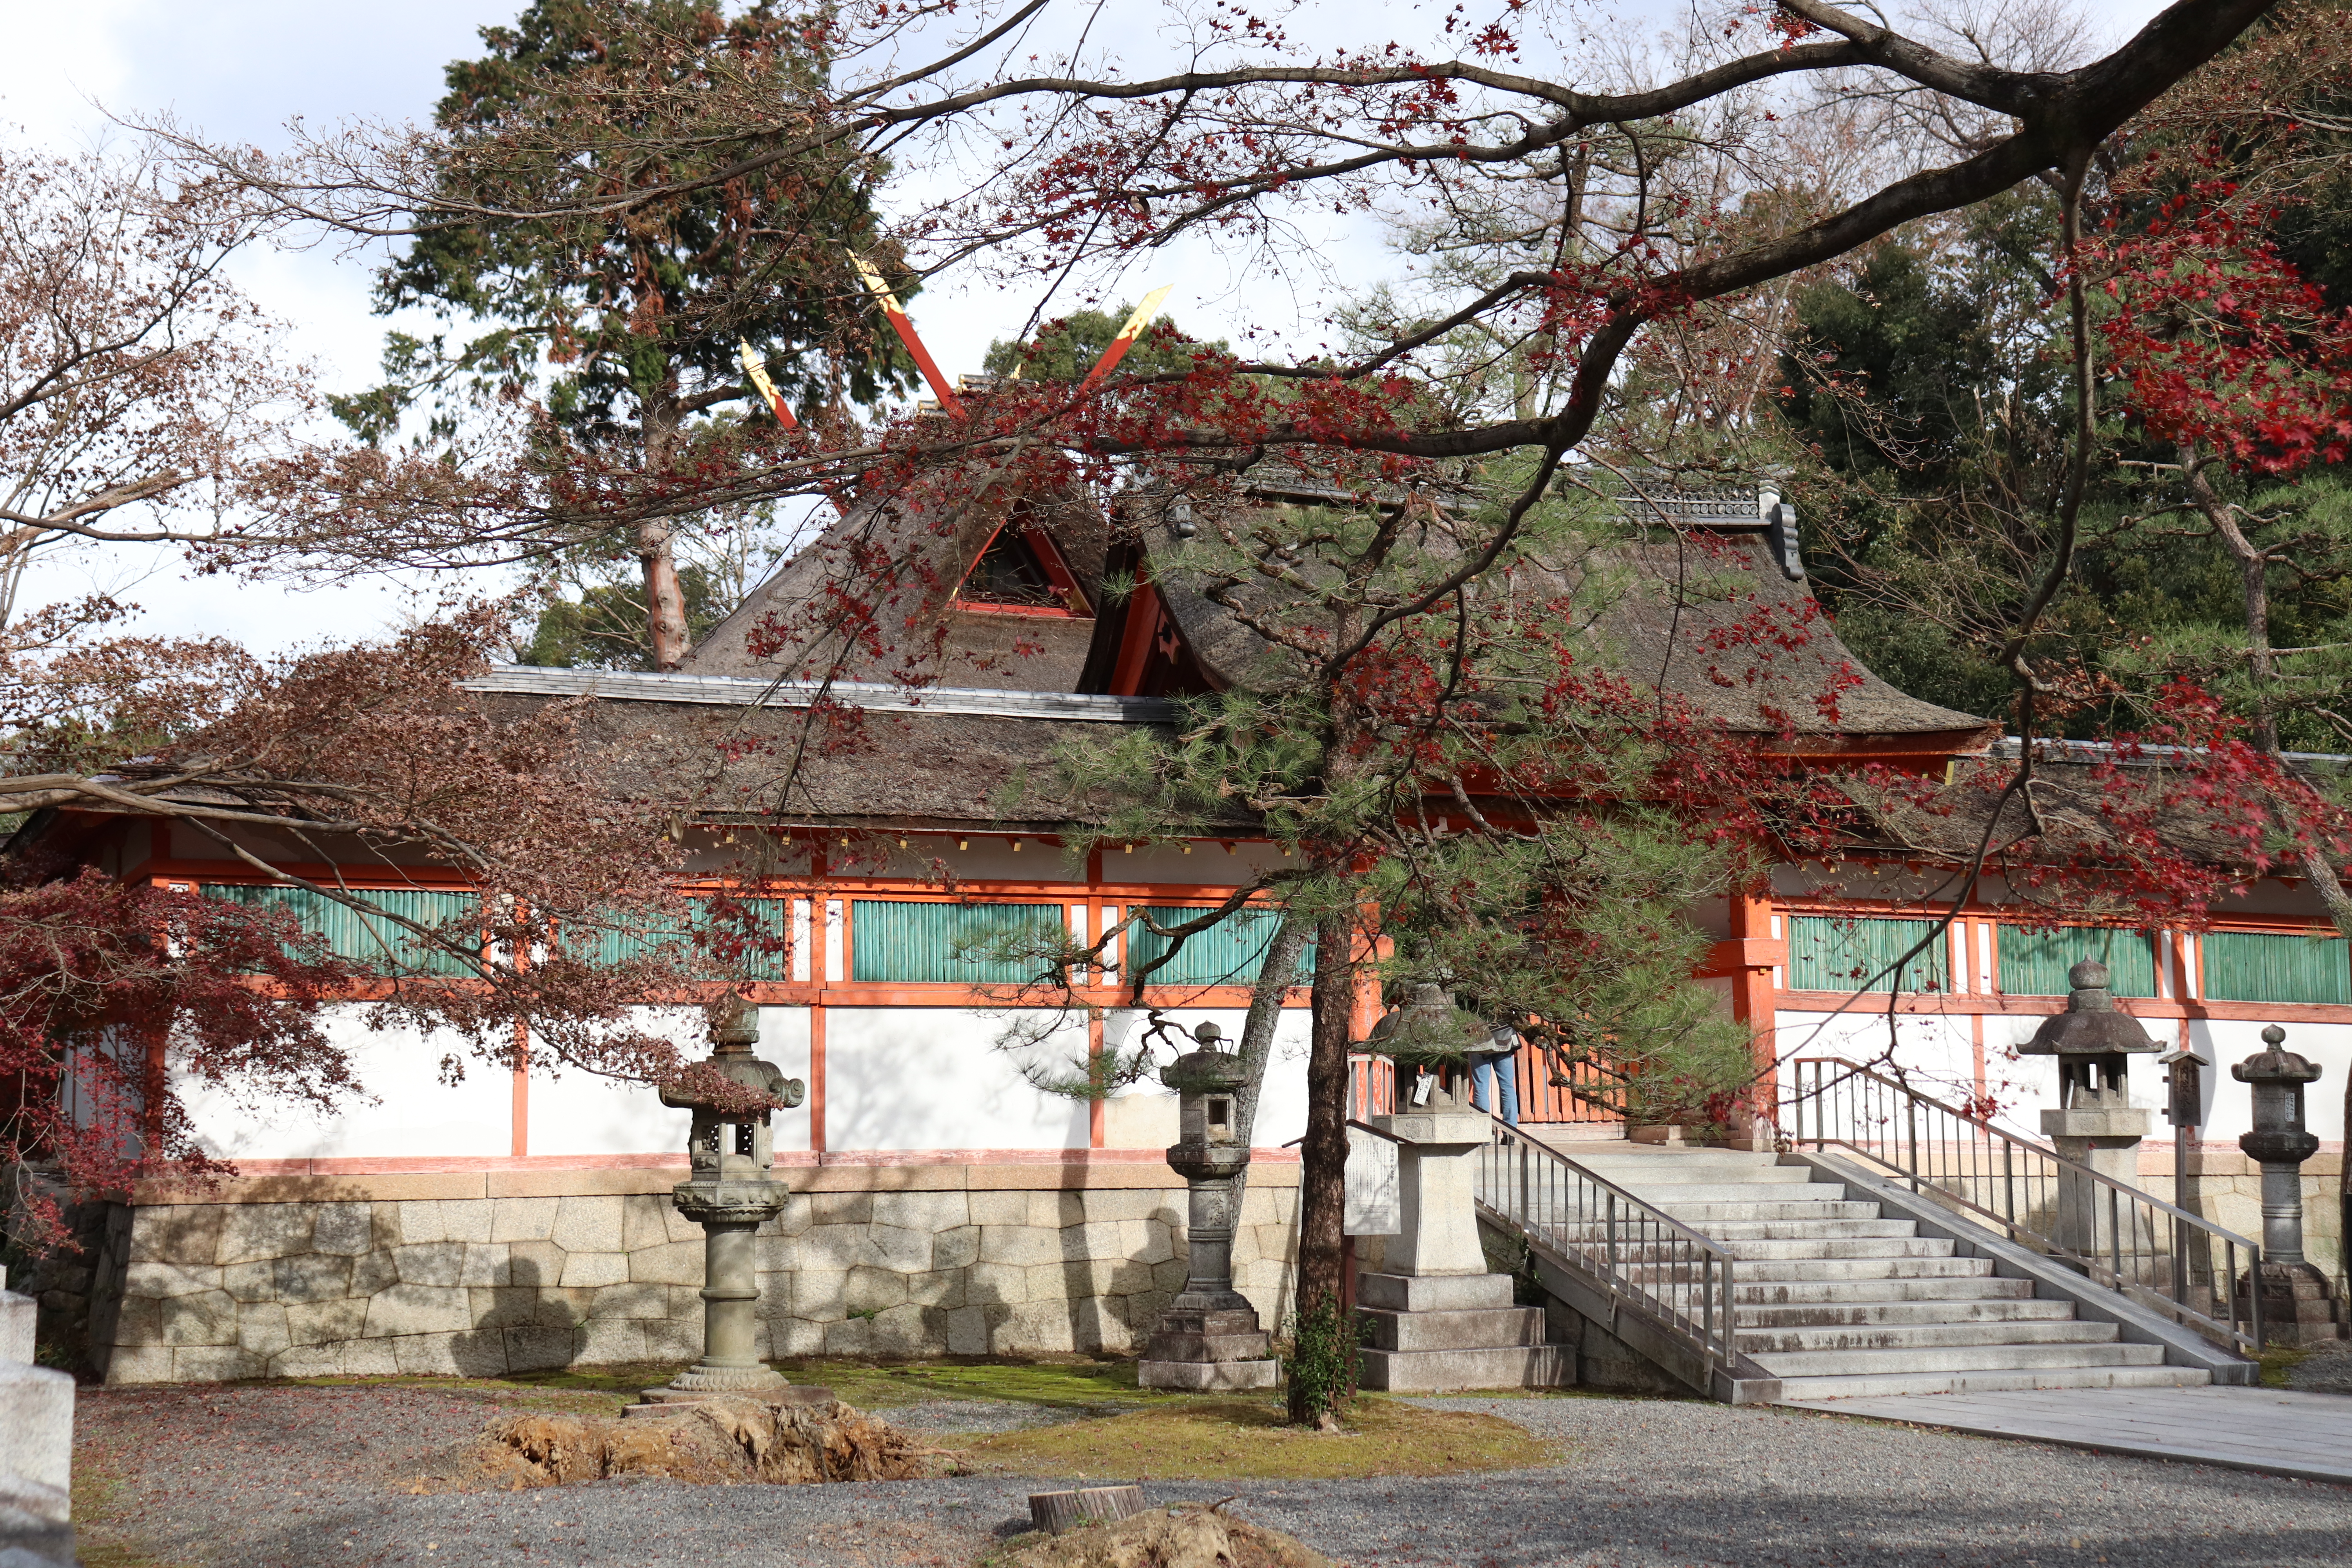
(888, 574)
(1705, 610)
(722, 749)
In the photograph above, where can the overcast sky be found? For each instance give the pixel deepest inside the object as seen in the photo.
(242, 68)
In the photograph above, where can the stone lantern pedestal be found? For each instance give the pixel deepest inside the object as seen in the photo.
(1437, 1317)
(731, 1191)
(1209, 1338)
(2298, 1300)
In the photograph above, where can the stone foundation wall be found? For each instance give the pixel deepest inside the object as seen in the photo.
(490, 1285)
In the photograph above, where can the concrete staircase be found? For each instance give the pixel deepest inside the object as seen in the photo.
(1840, 1303)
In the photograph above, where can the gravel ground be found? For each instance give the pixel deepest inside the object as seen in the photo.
(305, 1477)
(976, 1418)
(2326, 1370)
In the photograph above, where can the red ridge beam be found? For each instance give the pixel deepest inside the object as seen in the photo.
(1125, 341)
(906, 330)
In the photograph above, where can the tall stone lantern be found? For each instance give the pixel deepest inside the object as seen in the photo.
(1209, 1337)
(2094, 1123)
(1437, 1315)
(2297, 1304)
(730, 1191)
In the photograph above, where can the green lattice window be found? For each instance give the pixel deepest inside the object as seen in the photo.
(366, 938)
(762, 933)
(1835, 952)
(953, 944)
(2034, 963)
(2265, 966)
(1230, 952)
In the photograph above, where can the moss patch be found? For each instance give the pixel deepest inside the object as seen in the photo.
(1057, 1383)
(97, 1543)
(1245, 1439)
(2277, 1361)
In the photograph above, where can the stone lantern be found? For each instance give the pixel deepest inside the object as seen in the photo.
(1437, 1315)
(730, 1191)
(2297, 1304)
(2094, 1123)
(1209, 1337)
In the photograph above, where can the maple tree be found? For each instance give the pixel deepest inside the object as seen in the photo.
(144, 394)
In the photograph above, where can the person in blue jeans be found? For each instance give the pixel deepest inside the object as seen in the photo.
(1498, 1063)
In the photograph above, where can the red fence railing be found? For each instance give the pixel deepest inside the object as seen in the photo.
(1371, 1090)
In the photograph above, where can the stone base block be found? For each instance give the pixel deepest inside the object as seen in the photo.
(2298, 1304)
(37, 1439)
(1481, 1328)
(1167, 1346)
(18, 1316)
(701, 1382)
(1433, 1292)
(26, 1544)
(1178, 1320)
(1437, 1372)
(1208, 1376)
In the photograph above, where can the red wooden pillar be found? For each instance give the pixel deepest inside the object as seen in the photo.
(1754, 952)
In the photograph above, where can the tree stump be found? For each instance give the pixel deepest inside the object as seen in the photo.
(1057, 1511)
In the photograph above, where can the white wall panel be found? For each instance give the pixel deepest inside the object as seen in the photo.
(1938, 1050)
(414, 1114)
(2229, 1104)
(1143, 1115)
(933, 1078)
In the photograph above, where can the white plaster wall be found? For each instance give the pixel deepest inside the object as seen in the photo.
(414, 1114)
(1143, 1115)
(934, 1078)
(1938, 1048)
(579, 1113)
(2229, 1104)
(1938, 1051)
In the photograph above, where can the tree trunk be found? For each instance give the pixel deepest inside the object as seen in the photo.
(655, 539)
(1323, 1152)
(1266, 1016)
(666, 635)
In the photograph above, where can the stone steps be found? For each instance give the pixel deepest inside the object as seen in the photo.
(1830, 1316)
(1785, 1229)
(1829, 1269)
(1748, 1290)
(1711, 1216)
(1672, 1196)
(1869, 1385)
(1837, 1300)
(1760, 1341)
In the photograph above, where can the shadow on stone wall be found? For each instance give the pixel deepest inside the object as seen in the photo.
(484, 1287)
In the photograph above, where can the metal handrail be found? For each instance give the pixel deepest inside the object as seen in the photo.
(1631, 1251)
(2153, 1252)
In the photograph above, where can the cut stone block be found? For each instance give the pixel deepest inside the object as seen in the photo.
(1485, 1327)
(1202, 1376)
(17, 1316)
(1433, 1292)
(1432, 1372)
(37, 1438)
